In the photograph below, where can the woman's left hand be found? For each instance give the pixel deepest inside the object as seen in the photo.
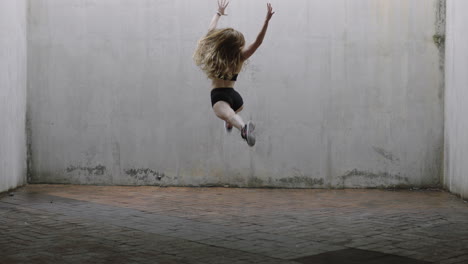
(222, 5)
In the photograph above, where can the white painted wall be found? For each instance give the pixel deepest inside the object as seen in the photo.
(12, 93)
(344, 93)
(456, 98)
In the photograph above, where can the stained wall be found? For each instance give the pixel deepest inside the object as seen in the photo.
(344, 94)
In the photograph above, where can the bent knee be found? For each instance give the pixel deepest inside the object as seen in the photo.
(222, 116)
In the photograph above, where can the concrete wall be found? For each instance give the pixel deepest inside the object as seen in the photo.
(456, 98)
(12, 93)
(344, 93)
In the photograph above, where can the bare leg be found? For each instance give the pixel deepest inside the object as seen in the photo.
(238, 110)
(224, 111)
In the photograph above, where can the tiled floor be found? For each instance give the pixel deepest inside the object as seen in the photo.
(91, 224)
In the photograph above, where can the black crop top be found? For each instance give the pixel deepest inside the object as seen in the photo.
(233, 79)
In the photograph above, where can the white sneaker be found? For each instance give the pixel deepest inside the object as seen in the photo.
(248, 134)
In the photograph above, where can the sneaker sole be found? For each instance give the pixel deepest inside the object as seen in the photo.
(250, 134)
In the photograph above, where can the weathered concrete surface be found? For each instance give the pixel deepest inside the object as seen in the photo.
(12, 93)
(344, 93)
(456, 108)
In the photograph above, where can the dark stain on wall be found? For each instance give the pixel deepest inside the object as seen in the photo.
(29, 151)
(144, 174)
(439, 41)
(255, 182)
(98, 170)
(372, 175)
(297, 180)
(386, 154)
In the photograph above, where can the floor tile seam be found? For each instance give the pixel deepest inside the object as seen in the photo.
(325, 247)
(240, 250)
(403, 252)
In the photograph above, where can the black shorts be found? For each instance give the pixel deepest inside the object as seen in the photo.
(228, 95)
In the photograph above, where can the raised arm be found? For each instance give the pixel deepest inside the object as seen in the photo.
(250, 49)
(222, 5)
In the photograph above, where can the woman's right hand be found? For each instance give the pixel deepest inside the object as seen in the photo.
(222, 5)
(269, 13)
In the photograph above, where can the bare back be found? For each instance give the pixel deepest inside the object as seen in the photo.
(220, 83)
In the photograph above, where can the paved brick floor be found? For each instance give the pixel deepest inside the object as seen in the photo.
(91, 224)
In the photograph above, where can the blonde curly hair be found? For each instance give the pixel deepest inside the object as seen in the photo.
(219, 53)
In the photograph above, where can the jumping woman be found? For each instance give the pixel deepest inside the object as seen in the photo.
(221, 54)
